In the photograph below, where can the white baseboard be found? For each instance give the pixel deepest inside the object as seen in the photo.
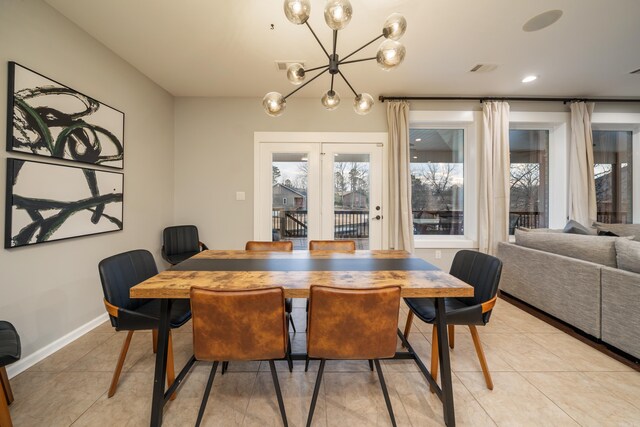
(35, 357)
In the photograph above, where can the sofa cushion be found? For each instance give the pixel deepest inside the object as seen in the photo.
(628, 255)
(620, 229)
(596, 249)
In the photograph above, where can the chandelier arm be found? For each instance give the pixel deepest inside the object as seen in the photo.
(358, 60)
(316, 68)
(347, 82)
(317, 39)
(335, 41)
(360, 48)
(310, 80)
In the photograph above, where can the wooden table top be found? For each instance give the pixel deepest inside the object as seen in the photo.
(296, 271)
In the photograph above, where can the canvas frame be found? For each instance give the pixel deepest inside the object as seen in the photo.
(69, 143)
(85, 205)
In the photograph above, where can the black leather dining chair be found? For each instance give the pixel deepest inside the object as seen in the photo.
(10, 350)
(118, 274)
(479, 270)
(181, 242)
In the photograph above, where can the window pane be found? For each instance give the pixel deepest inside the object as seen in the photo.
(612, 156)
(351, 198)
(289, 207)
(437, 178)
(529, 182)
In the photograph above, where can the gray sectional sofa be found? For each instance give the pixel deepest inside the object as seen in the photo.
(591, 282)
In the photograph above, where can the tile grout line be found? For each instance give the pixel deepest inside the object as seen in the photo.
(474, 398)
(85, 411)
(550, 399)
(255, 380)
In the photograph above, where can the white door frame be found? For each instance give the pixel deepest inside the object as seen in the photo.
(320, 137)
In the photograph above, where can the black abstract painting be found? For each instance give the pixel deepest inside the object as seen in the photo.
(47, 202)
(49, 119)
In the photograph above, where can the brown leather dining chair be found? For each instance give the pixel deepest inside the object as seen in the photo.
(239, 326)
(332, 245)
(279, 246)
(352, 324)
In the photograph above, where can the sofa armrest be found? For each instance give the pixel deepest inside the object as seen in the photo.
(621, 310)
(566, 288)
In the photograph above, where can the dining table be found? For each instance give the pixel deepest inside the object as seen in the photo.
(296, 272)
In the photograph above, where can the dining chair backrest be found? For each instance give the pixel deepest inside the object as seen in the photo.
(353, 324)
(332, 245)
(119, 273)
(238, 325)
(180, 239)
(279, 246)
(481, 271)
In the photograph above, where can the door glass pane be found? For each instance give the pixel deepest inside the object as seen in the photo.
(529, 181)
(289, 206)
(437, 181)
(612, 158)
(351, 198)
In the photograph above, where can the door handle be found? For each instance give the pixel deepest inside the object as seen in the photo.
(378, 217)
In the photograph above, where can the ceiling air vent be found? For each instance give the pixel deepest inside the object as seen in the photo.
(284, 64)
(635, 71)
(483, 68)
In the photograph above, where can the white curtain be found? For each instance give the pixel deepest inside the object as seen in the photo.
(493, 218)
(400, 214)
(582, 187)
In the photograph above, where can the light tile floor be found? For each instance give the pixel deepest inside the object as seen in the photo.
(541, 375)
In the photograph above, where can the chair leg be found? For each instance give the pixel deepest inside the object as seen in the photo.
(371, 365)
(483, 361)
(434, 356)
(154, 338)
(116, 373)
(385, 392)
(288, 355)
(225, 367)
(293, 325)
(207, 392)
(4, 379)
(171, 373)
(306, 364)
(5, 415)
(452, 336)
(316, 389)
(407, 325)
(276, 385)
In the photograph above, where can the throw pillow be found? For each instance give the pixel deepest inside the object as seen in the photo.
(628, 255)
(607, 233)
(620, 229)
(574, 227)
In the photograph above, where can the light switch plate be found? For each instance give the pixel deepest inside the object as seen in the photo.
(239, 195)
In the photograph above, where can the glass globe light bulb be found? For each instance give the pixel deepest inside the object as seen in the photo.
(363, 103)
(297, 11)
(296, 74)
(390, 54)
(330, 100)
(394, 27)
(337, 13)
(274, 104)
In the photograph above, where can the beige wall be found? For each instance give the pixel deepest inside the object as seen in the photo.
(50, 289)
(214, 156)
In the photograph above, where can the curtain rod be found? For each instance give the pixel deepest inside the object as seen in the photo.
(383, 98)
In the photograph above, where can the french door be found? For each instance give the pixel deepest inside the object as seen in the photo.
(320, 190)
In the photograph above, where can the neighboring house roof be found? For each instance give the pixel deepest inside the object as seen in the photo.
(289, 189)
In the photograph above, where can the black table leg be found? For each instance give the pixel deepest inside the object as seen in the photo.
(160, 377)
(445, 365)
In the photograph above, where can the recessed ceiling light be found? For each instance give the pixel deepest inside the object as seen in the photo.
(529, 79)
(415, 157)
(541, 21)
(304, 159)
(418, 139)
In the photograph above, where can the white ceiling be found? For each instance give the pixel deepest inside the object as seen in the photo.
(226, 48)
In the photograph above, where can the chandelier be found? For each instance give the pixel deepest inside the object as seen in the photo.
(337, 14)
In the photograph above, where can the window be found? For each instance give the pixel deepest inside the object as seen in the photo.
(437, 181)
(612, 158)
(284, 201)
(529, 181)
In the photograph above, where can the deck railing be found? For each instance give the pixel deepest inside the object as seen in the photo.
(352, 224)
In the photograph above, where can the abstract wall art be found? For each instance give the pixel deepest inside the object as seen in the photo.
(47, 202)
(49, 119)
